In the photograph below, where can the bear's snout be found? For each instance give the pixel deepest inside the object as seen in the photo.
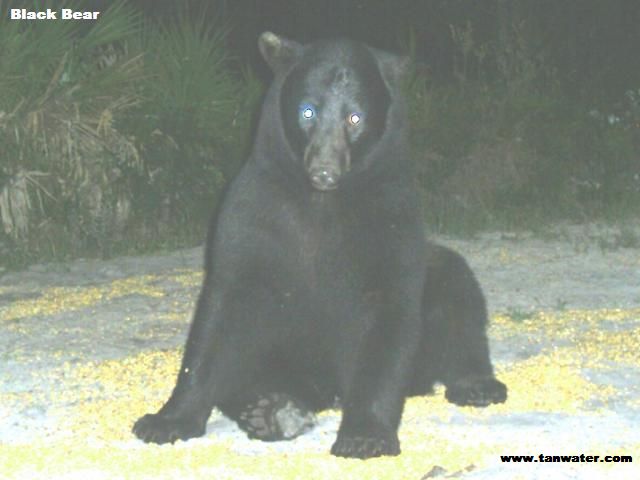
(324, 178)
(327, 158)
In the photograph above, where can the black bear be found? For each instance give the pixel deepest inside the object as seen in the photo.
(320, 286)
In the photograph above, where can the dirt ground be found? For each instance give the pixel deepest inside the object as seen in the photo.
(87, 347)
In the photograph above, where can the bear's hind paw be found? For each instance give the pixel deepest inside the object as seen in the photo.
(275, 416)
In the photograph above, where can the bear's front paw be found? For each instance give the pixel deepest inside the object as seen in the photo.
(364, 447)
(476, 392)
(156, 428)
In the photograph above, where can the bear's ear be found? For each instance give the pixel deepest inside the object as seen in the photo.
(278, 52)
(393, 67)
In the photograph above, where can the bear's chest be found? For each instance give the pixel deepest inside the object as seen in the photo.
(330, 245)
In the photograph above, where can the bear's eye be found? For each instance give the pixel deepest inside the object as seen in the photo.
(354, 119)
(307, 111)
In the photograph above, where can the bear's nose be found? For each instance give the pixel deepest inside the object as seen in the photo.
(323, 178)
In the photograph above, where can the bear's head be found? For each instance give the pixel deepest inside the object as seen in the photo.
(334, 99)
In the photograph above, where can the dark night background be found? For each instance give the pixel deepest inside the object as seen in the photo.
(592, 43)
(524, 113)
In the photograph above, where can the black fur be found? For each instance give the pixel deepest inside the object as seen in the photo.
(318, 284)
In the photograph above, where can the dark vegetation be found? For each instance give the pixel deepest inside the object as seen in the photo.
(117, 136)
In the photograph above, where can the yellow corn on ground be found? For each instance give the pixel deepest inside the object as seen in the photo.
(96, 403)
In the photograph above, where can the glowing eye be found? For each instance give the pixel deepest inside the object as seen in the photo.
(307, 112)
(354, 118)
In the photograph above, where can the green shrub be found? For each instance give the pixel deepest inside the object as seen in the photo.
(115, 136)
(61, 87)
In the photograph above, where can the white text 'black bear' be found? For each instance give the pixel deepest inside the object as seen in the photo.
(320, 285)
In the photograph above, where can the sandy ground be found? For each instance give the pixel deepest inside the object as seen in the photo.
(87, 347)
